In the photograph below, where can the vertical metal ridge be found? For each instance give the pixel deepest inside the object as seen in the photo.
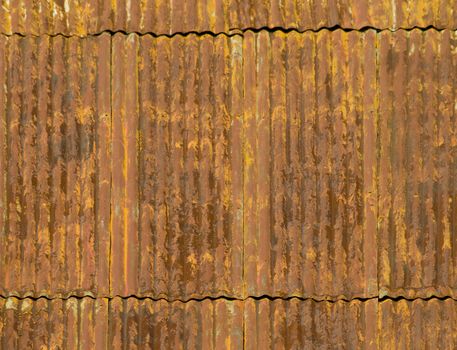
(4, 178)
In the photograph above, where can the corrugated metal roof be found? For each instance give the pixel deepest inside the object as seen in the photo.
(296, 324)
(309, 164)
(418, 324)
(200, 118)
(55, 185)
(177, 136)
(417, 162)
(77, 17)
(236, 166)
(144, 324)
(195, 185)
(255, 324)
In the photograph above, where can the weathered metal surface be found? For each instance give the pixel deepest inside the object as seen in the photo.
(70, 17)
(55, 183)
(261, 163)
(295, 324)
(177, 192)
(120, 324)
(78, 17)
(54, 324)
(242, 165)
(223, 15)
(144, 324)
(253, 324)
(418, 324)
(310, 164)
(268, 133)
(417, 164)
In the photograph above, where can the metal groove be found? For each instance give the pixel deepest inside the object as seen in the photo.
(236, 31)
(322, 299)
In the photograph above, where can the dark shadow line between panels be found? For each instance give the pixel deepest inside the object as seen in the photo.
(236, 31)
(317, 299)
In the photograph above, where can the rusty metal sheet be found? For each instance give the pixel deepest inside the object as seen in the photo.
(54, 324)
(177, 195)
(54, 141)
(244, 165)
(296, 324)
(69, 17)
(78, 17)
(418, 324)
(309, 164)
(147, 324)
(220, 324)
(255, 150)
(417, 162)
(120, 324)
(223, 15)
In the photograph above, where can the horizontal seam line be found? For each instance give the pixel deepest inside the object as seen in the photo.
(226, 298)
(236, 31)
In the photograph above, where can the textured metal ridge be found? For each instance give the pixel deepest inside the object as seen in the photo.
(77, 17)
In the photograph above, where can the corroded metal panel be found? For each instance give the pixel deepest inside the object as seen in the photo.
(417, 164)
(177, 189)
(195, 185)
(120, 324)
(54, 324)
(69, 17)
(78, 17)
(255, 150)
(244, 165)
(146, 324)
(208, 324)
(417, 324)
(221, 324)
(297, 324)
(310, 164)
(55, 125)
(223, 15)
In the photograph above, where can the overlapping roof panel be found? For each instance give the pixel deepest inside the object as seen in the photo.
(310, 164)
(262, 164)
(78, 17)
(253, 324)
(55, 183)
(177, 136)
(418, 324)
(229, 186)
(249, 151)
(417, 164)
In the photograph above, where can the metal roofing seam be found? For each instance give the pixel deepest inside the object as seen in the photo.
(253, 324)
(168, 17)
(235, 31)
